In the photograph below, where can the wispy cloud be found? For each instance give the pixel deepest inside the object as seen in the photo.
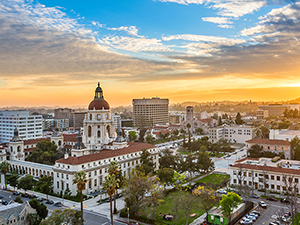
(218, 20)
(131, 30)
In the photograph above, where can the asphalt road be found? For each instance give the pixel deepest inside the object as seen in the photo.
(91, 218)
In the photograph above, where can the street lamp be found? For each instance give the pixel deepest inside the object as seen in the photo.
(128, 214)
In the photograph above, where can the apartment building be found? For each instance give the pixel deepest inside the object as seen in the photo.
(150, 111)
(257, 172)
(29, 126)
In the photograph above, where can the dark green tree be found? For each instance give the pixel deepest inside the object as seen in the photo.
(166, 175)
(132, 135)
(12, 180)
(142, 134)
(204, 162)
(166, 159)
(149, 138)
(46, 153)
(238, 119)
(199, 131)
(18, 199)
(66, 216)
(295, 147)
(4, 168)
(255, 151)
(147, 165)
(41, 209)
(176, 132)
(45, 185)
(25, 182)
(33, 219)
(220, 121)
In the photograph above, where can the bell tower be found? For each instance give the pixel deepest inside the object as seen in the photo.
(16, 147)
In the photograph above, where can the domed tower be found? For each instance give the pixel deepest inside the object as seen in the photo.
(57, 138)
(98, 125)
(16, 147)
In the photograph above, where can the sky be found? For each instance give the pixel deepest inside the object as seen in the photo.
(54, 52)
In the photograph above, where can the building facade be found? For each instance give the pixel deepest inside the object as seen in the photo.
(29, 126)
(258, 173)
(233, 134)
(272, 145)
(148, 112)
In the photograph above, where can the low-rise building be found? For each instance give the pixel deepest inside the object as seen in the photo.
(253, 172)
(284, 134)
(272, 145)
(15, 213)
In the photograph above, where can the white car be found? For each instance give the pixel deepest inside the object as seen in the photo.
(222, 191)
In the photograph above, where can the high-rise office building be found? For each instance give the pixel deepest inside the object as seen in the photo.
(150, 111)
(29, 126)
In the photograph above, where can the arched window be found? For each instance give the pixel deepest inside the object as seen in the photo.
(19, 148)
(11, 149)
(108, 130)
(89, 131)
(98, 117)
(91, 117)
(59, 143)
(98, 133)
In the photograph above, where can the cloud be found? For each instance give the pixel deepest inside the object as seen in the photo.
(218, 20)
(225, 26)
(131, 30)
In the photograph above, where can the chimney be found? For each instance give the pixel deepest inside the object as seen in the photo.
(66, 155)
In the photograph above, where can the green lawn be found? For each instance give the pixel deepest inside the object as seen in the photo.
(167, 207)
(214, 179)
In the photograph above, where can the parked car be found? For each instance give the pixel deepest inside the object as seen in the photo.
(276, 222)
(285, 200)
(262, 204)
(246, 221)
(58, 204)
(222, 191)
(253, 218)
(253, 196)
(255, 212)
(49, 202)
(39, 199)
(270, 198)
(25, 195)
(32, 196)
(287, 214)
(16, 193)
(284, 219)
(5, 202)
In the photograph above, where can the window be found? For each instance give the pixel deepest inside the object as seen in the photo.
(95, 173)
(90, 174)
(90, 183)
(261, 180)
(272, 186)
(95, 182)
(105, 170)
(245, 174)
(67, 176)
(250, 174)
(278, 178)
(250, 183)
(67, 186)
(278, 187)
(62, 175)
(272, 177)
(124, 165)
(132, 162)
(57, 184)
(296, 180)
(234, 181)
(100, 171)
(57, 174)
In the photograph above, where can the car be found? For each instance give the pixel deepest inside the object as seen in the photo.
(32, 196)
(270, 198)
(5, 202)
(39, 199)
(246, 221)
(16, 193)
(253, 196)
(58, 204)
(25, 195)
(253, 218)
(255, 212)
(49, 202)
(287, 214)
(221, 191)
(119, 195)
(276, 222)
(284, 219)
(262, 204)
(1, 196)
(285, 200)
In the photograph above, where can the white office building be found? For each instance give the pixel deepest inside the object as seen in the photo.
(29, 126)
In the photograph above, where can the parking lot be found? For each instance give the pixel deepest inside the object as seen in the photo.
(270, 213)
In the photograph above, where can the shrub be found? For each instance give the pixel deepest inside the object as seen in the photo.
(123, 212)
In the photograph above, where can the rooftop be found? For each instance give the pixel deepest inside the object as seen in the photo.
(268, 141)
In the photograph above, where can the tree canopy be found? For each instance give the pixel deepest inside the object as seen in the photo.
(147, 165)
(25, 182)
(66, 216)
(229, 202)
(238, 119)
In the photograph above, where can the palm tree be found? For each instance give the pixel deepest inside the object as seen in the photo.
(114, 169)
(4, 168)
(80, 180)
(110, 185)
(189, 141)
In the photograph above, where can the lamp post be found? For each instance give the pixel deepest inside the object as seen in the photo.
(128, 214)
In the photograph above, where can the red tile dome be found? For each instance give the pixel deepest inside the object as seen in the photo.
(98, 104)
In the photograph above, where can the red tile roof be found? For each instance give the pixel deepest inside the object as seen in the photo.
(106, 153)
(29, 149)
(267, 168)
(268, 141)
(175, 125)
(207, 120)
(163, 132)
(34, 141)
(70, 137)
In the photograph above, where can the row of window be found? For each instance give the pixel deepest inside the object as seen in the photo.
(271, 177)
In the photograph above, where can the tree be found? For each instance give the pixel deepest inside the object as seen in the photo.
(33, 219)
(25, 182)
(155, 195)
(199, 131)
(176, 132)
(66, 216)
(166, 175)
(166, 159)
(261, 132)
(46, 153)
(204, 162)
(147, 166)
(207, 198)
(255, 151)
(18, 199)
(132, 135)
(12, 180)
(4, 168)
(110, 185)
(295, 148)
(220, 121)
(114, 169)
(238, 119)
(142, 134)
(229, 202)
(136, 187)
(45, 185)
(41, 209)
(149, 138)
(189, 132)
(80, 180)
